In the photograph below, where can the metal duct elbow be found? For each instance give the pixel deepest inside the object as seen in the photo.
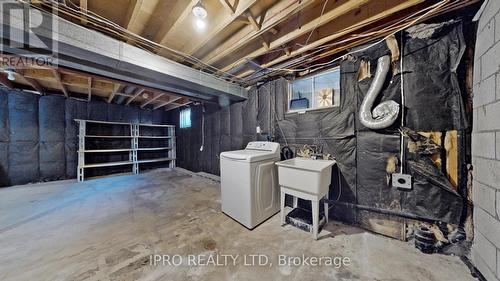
(386, 112)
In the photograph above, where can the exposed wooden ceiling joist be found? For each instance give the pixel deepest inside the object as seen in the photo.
(63, 87)
(139, 14)
(155, 97)
(269, 32)
(218, 23)
(32, 82)
(342, 25)
(228, 6)
(163, 38)
(172, 100)
(116, 89)
(174, 106)
(89, 79)
(84, 9)
(137, 93)
(276, 15)
(313, 20)
(253, 21)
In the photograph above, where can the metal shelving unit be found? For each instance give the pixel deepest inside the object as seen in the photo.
(137, 142)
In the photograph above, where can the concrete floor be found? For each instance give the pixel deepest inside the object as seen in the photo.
(106, 229)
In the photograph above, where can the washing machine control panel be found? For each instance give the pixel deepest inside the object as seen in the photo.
(264, 145)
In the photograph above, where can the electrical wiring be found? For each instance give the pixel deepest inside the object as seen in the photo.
(394, 27)
(317, 24)
(435, 7)
(320, 49)
(76, 12)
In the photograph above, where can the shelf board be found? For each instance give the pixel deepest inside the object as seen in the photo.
(153, 125)
(153, 148)
(108, 137)
(105, 150)
(155, 137)
(124, 123)
(108, 164)
(104, 122)
(155, 160)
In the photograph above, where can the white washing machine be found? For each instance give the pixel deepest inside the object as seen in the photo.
(249, 183)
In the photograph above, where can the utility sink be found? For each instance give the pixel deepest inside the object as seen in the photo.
(305, 175)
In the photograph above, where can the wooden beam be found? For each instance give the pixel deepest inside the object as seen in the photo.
(313, 20)
(166, 103)
(394, 18)
(348, 23)
(155, 97)
(253, 21)
(280, 12)
(115, 91)
(217, 24)
(32, 82)
(139, 14)
(89, 88)
(137, 93)
(228, 6)
(84, 9)
(164, 35)
(265, 44)
(132, 14)
(57, 76)
(177, 105)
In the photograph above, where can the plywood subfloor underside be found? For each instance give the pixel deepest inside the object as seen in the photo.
(105, 229)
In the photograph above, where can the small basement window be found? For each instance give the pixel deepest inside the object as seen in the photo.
(315, 92)
(185, 118)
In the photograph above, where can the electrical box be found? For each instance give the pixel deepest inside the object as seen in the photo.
(402, 181)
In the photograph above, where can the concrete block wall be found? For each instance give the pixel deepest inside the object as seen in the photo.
(486, 144)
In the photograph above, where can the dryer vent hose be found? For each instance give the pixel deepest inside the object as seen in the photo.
(385, 113)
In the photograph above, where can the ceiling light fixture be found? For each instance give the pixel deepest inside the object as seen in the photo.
(199, 11)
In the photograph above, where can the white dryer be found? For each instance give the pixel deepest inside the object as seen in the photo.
(249, 183)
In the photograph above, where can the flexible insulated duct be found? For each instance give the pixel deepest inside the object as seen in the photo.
(386, 112)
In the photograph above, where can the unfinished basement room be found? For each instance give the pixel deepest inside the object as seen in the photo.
(192, 140)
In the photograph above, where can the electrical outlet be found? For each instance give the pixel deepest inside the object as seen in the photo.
(259, 130)
(402, 181)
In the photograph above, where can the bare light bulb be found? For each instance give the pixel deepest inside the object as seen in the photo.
(200, 24)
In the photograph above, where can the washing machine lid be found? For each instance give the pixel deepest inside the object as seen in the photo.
(248, 155)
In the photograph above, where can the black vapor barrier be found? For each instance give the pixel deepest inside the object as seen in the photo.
(433, 102)
(39, 137)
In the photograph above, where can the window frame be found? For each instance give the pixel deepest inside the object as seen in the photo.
(181, 123)
(310, 76)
